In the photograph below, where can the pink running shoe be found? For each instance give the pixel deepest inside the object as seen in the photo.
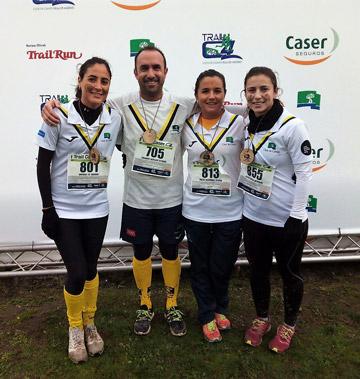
(211, 332)
(222, 322)
(254, 334)
(281, 342)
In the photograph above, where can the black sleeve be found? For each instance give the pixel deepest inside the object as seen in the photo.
(43, 176)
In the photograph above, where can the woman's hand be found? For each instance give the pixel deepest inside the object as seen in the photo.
(50, 222)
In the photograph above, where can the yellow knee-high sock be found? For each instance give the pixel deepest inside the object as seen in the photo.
(171, 272)
(91, 290)
(142, 273)
(74, 309)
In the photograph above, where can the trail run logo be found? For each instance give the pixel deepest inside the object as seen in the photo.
(63, 99)
(312, 204)
(219, 48)
(322, 154)
(305, 50)
(309, 99)
(53, 54)
(135, 5)
(137, 44)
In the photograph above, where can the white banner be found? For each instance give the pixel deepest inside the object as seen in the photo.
(312, 46)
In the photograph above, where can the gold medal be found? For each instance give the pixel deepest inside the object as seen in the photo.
(149, 136)
(247, 156)
(94, 155)
(207, 158)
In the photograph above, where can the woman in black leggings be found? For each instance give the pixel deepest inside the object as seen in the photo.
(73, 166)
(275, 172)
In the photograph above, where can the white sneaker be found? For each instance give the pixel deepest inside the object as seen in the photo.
(77, 349)
(94, 342)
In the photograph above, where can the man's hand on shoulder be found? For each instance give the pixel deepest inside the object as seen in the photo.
(48, 114)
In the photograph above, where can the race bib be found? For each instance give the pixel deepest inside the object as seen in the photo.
(155, 159)
(83, 174)
(256, 179)
(209, 180)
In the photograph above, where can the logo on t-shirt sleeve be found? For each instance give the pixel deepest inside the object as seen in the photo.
(306, 147)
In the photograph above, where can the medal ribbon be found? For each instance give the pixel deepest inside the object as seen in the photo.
(165, 127)
(266, 136)
(89, 142)
(211, 146)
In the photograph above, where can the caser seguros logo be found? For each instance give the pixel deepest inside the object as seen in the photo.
(309, 50)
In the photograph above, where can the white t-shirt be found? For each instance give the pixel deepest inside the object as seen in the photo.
(144, 191)
(288, 146)
(66, 139)
(227, 148)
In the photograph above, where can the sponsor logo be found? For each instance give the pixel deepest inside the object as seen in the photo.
(175, 128)
(63, 99)
(308, 99)
(236, 103)
(53, 54)
(306, 147)
(230, 139)
(52, 2)
(136, 5)
(219, 47)
(305, 50)
(71, 138)
(192, 142)
(312, 204)
(137, 44)
(131, 232)
(107, 135)
(271, 145)
(41, 133)
(322, 155)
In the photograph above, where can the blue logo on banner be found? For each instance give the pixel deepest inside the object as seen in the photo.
(52, 2)
(218, 46)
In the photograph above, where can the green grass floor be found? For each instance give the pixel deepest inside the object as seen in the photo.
(33, 331)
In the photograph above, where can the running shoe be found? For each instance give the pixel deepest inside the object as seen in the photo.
(93, 340)
(142, 325)
(174, 318)
(255, 333)
(281, 342)
(77, 350)
(211, 332)
(222, 322)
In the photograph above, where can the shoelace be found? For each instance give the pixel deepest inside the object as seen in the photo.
(258, 324)
(285, 333)
(93, 332)
(175, 315)
(142, 314)
(221, 317)
(211, 326)
(76, 339)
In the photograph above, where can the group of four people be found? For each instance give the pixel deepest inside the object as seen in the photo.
(247, 174)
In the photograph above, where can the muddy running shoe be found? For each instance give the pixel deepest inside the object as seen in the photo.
(281, 342)
(142, 325)
(93, 340)
(254, 334)
(222, 322)
(211, 332)
(77, 350)
(174, 318)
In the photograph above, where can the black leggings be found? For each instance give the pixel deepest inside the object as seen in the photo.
(261, 242)
(79, 243)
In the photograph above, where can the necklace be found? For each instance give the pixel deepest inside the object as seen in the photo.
(247, 155)
(94, 153)
(207, 157)
(149, 136)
